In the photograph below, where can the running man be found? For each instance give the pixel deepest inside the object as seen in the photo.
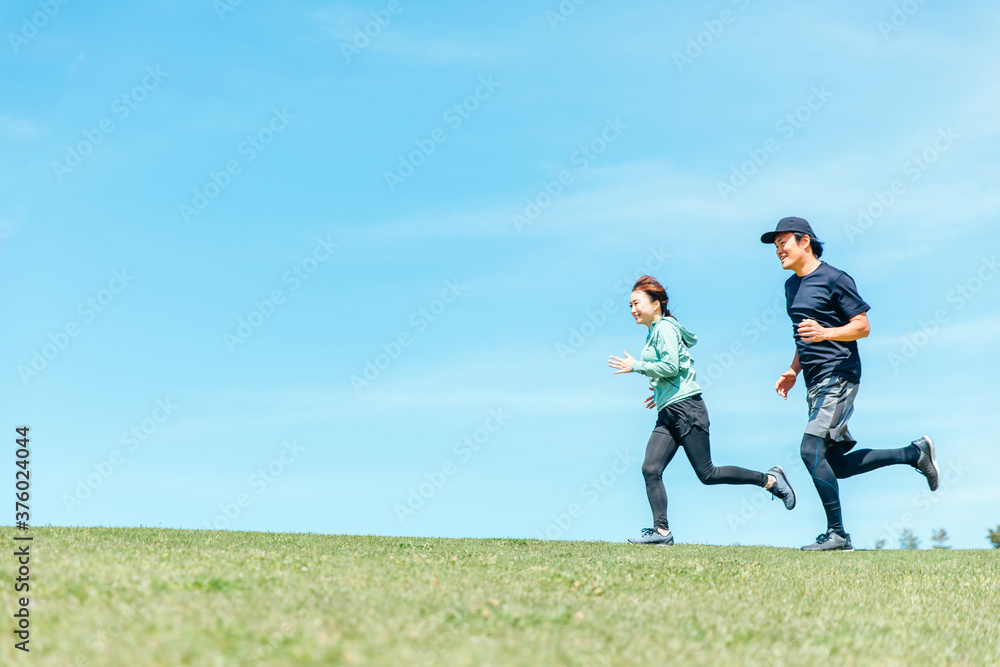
(682, 419)
(829, 317)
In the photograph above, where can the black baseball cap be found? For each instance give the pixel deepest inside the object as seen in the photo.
(792, 224)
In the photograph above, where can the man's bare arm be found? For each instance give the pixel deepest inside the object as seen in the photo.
(812, 332)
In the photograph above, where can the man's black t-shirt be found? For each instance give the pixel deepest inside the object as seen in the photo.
(829, 296)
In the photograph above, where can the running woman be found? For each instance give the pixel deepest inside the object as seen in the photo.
(682, 419)
(829, 316)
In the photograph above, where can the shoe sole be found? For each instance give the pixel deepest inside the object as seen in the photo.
(790, 487)
(933, 455)
(652, 544)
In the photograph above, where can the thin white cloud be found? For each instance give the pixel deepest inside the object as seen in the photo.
(431, 389)
(648, 196)
(427, 50)
(17, 129)
(980, 333)
(390, 34)
(78, 64)
(11, 221)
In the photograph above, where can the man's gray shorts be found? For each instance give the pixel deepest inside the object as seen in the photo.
(831, 404)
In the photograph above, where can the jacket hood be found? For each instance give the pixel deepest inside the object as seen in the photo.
(689, 337)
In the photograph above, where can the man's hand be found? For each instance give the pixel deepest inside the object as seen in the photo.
(785, 382)
(812, 332)
(858, 327)
(650, 402)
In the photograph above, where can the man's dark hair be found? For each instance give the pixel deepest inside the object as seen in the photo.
(817, 247)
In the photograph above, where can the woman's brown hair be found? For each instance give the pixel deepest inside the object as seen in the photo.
(655, 291)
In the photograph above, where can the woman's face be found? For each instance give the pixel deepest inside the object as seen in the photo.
(643, 310)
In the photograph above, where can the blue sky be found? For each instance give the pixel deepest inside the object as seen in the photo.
(217, 218)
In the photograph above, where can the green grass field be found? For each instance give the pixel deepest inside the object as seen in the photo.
(137, 597)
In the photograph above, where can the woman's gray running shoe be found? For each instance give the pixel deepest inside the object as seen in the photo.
(782, 488)
(831, 541)
(652, 536)
(927, 463)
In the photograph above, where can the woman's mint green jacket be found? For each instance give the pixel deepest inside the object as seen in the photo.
(668, 364)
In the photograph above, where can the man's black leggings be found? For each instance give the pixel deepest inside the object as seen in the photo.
(661, 449)
(827, 462)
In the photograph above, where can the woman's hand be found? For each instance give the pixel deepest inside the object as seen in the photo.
(623, 365)
(650, 400)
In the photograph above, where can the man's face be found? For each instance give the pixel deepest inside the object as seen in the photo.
(790, 253)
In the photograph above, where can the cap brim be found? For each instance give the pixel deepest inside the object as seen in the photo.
(769, 237)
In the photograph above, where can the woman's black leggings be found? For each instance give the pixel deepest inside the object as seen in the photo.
(661, 449)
